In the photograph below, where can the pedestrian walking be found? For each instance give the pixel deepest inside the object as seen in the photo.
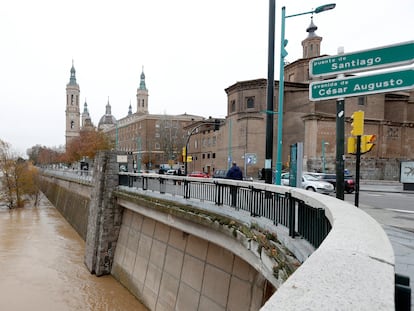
(236, 174)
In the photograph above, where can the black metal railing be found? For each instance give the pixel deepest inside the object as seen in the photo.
(301, 219)
(402, 293)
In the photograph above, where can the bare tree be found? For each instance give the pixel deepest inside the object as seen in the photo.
(171, 137)
(17, 177)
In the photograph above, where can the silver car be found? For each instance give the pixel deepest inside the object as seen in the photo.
(311, 183)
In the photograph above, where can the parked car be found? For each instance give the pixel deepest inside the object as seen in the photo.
(171, 172)
(218, 173)
(331, 178)
(310, 183)
(198, 174)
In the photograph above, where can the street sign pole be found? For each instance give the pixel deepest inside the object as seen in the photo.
(340, 148)
(357, 169)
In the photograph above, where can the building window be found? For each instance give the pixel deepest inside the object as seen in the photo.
(208, 156)
(250, 102)
(233, 106)
(361, 100)
(157, 135)
(157, 146)
(204, 155)
(214, 155)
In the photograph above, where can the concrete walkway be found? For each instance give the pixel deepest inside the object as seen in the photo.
(399, 233)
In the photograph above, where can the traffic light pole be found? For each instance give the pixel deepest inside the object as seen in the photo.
(357, 166)
(340, 148)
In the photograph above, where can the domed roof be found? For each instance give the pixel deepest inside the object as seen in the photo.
(107, 120)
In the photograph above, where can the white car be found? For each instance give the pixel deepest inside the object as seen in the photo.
(311, 183)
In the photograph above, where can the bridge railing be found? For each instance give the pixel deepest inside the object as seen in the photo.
(277, 205)
(75, 175)
(353, 266)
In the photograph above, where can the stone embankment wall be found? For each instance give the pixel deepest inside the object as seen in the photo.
(71, 199)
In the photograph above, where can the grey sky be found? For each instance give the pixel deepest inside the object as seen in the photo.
(191, 51)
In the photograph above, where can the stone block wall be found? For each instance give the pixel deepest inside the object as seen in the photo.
(168, 269)
(104, 218)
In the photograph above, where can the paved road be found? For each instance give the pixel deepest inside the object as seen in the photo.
(397, 223)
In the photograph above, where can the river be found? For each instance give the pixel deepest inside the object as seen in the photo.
(41, 266)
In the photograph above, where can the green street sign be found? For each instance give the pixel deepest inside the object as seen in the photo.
(362, 85)
(372, 59)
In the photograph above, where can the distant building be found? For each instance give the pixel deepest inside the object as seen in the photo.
(154, 138)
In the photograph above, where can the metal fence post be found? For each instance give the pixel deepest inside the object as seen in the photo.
(291, 217)
(402, 293)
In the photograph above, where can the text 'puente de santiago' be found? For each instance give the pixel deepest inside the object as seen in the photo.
(185, 243)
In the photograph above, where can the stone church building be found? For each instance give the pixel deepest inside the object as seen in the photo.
(389, 116)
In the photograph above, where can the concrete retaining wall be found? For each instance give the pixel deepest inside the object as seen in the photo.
(71, 199)
(170, 269)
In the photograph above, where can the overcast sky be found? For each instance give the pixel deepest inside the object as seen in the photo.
(191, 51)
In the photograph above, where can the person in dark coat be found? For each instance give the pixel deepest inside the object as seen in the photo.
(234, 172)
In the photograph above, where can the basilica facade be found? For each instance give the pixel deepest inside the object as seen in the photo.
(154, 139)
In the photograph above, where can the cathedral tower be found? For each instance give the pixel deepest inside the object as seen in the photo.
(72, 107)
(142, 96)
(312, 44)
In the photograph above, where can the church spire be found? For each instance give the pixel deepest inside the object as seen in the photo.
(108, 108)
(129, 109)
(311, 29)
(72, 80)
(142, 95)
(142, 83)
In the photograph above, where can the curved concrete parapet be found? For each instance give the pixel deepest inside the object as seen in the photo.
(353, 269)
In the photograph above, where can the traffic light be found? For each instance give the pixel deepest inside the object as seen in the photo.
(184, 153)
(367, 143)
(357, 123)
(351, 146)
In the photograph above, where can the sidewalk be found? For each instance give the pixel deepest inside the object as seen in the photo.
(382, 186)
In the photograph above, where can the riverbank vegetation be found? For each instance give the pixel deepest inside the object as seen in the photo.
(18, 178)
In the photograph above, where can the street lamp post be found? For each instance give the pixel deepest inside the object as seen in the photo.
(270, 94)
(139, 154)
(283, 54)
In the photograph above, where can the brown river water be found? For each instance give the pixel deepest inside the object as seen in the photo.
(41, 266)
